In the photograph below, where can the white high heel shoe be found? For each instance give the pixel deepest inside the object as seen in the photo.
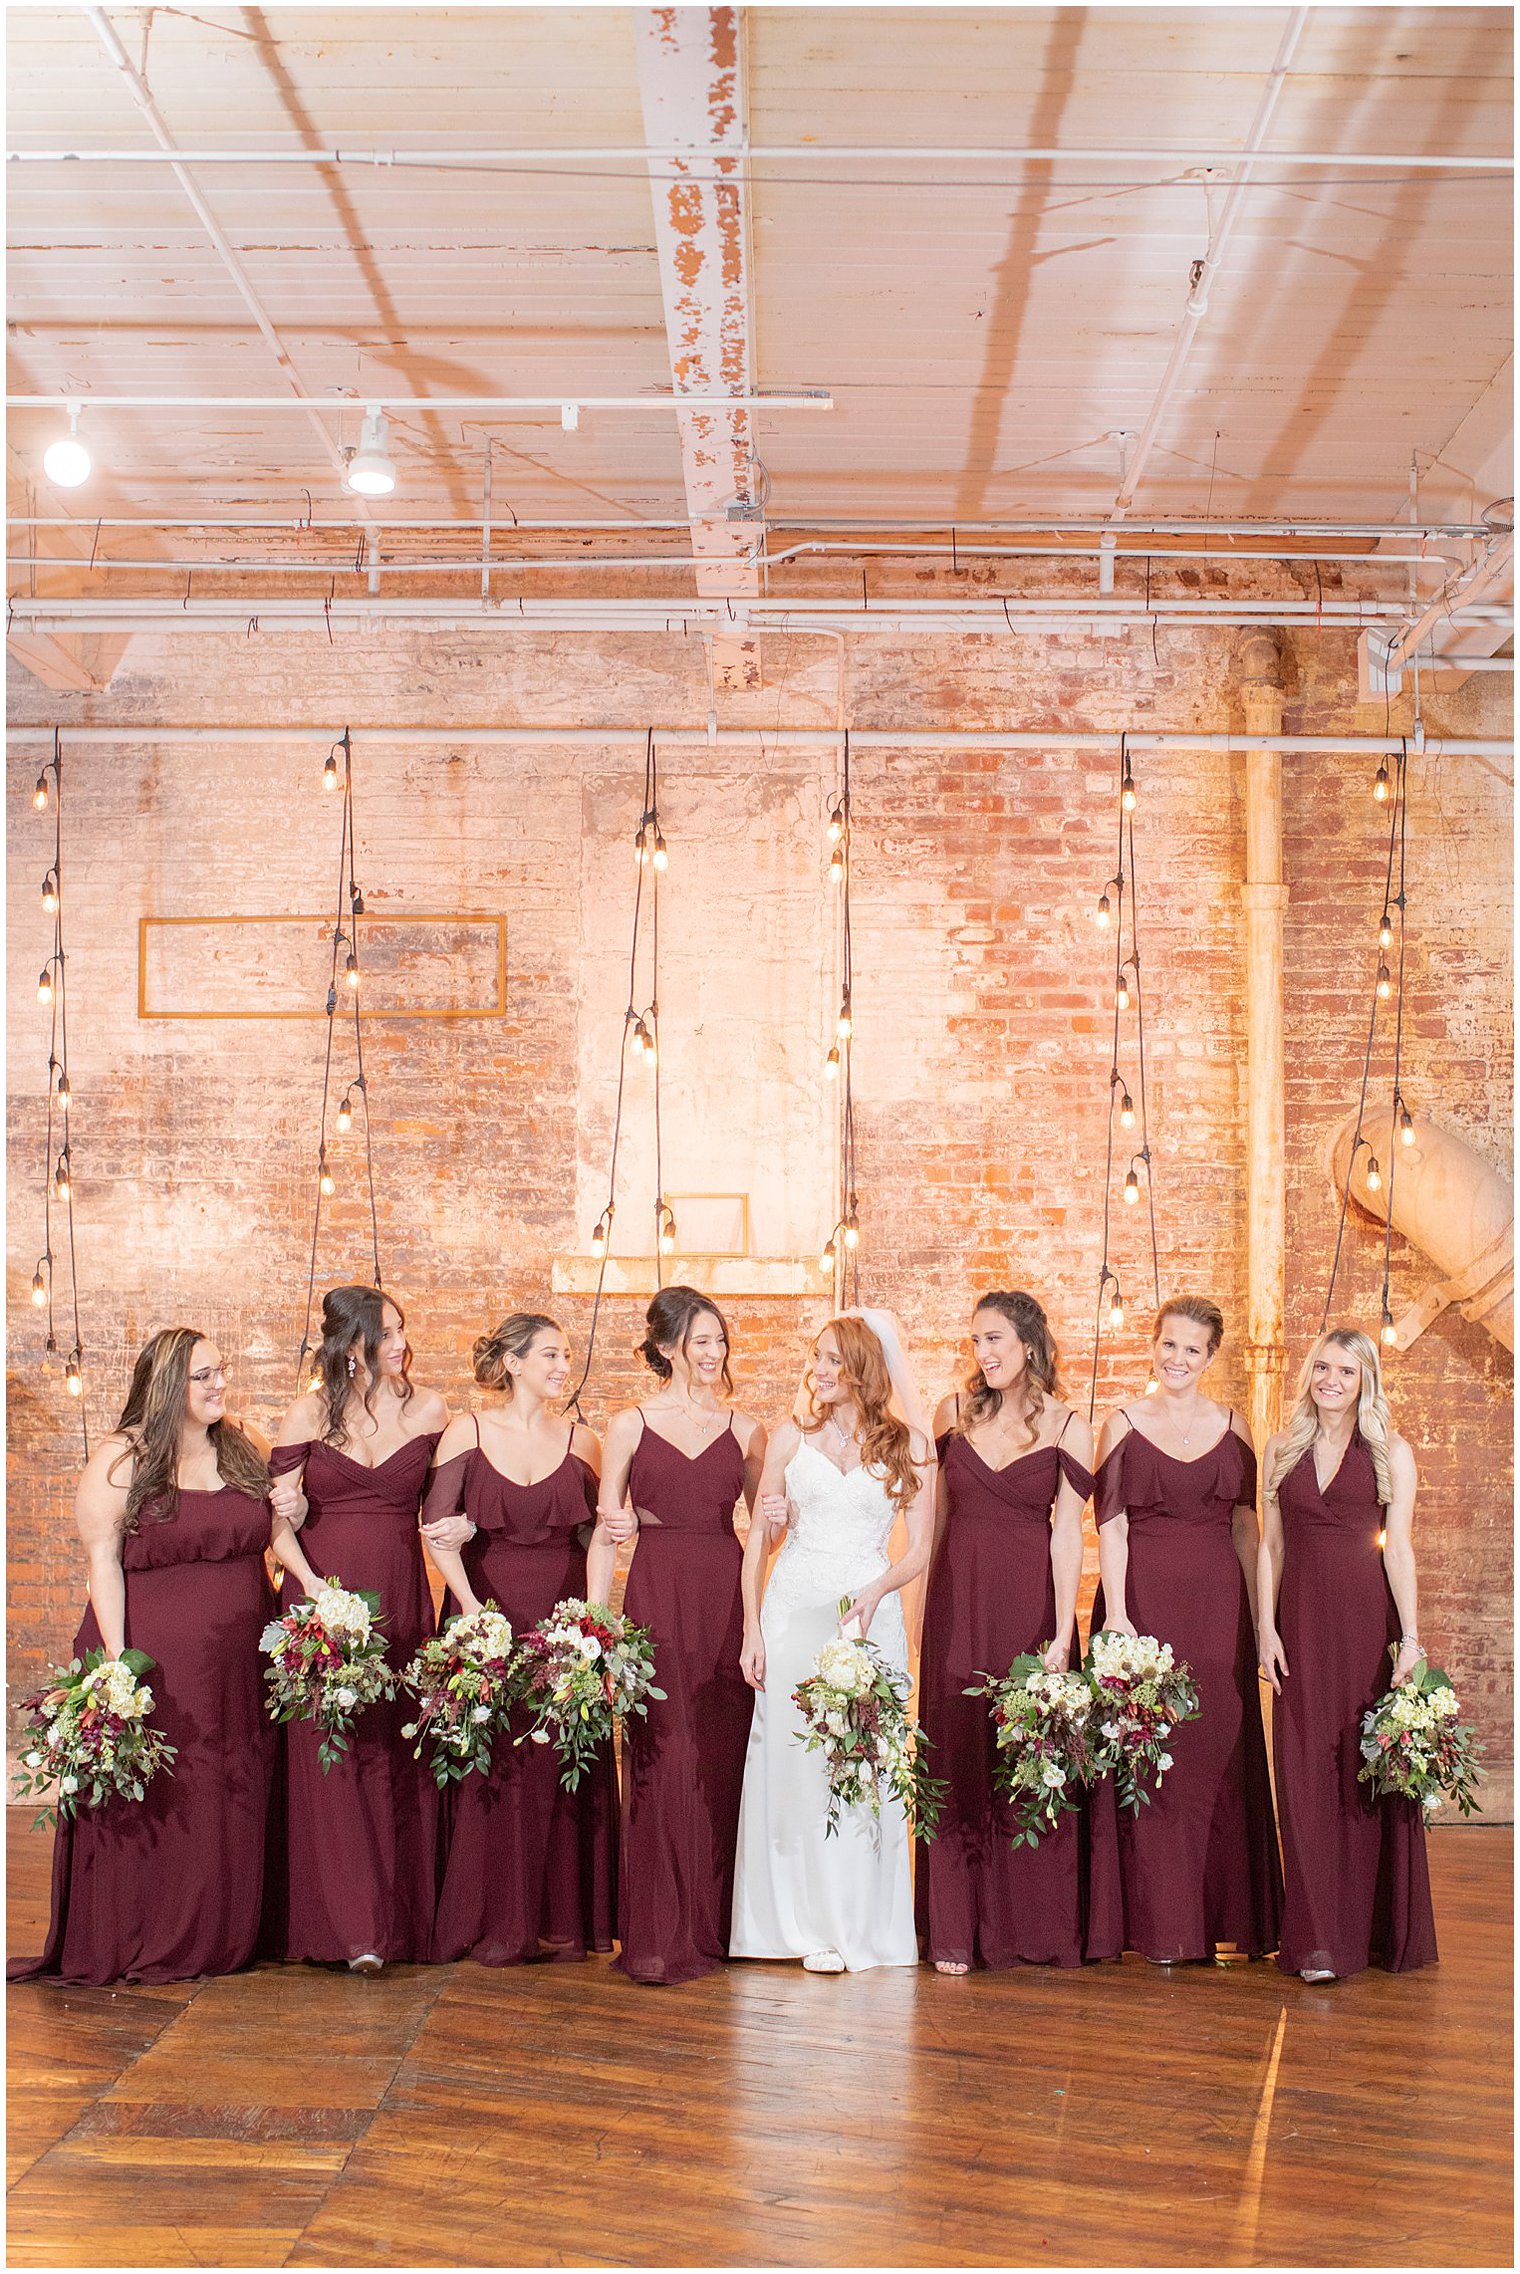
(823, 1962)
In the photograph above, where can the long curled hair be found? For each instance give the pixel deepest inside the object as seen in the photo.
(1372, 1417)
(1041, 1378)
(671, 1317)
(886, 1441)
(513, 1337)
(152, 1419)
(350, 1315)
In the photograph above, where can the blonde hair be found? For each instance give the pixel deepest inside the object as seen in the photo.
(1372, 1417)
(1198, 1311)
(886, 1442)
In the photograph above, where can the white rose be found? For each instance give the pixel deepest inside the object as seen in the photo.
(1163, 1764)
(540, 1736)
(68, 1784)
(481, 1713)
(346, 1700)
(1052, 1776)
(34, 1760)
(590, 1648)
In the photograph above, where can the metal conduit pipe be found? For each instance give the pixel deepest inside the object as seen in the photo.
(404, 566)
(689, 156)
(551, 734)
(862, 615)
(1449, 1202)
(1473, 532)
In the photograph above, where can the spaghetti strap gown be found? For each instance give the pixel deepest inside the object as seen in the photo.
(1198, 1865)
(355, 1867)
(530, 1870)
(683, 1766)
(1356, 1882)
(166, 1887)
(980, 1900)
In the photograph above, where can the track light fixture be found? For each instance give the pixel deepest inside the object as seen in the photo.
(66, 462)
(371, 471)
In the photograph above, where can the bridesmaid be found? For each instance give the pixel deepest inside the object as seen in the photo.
(1335, 1610)
(1016, 1469)
(1177, 1545)
(674, 1470)
(532, 1869)
(353, 1877)
(173, 1510)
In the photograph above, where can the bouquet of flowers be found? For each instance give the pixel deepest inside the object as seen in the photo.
(1413, 1744)
(854, 1709)
(328, 1664)
(1140, 1694)
(88, 1728)
(579, 1670)
(1043, 1727)
(463, 1679)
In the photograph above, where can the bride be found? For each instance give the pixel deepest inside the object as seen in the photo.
(840, 1903)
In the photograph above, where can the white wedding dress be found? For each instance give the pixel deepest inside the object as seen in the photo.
(797, 1890)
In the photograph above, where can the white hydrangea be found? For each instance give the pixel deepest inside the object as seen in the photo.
(847, 1667)
(342, 1612)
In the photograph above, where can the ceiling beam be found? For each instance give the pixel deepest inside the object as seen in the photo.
(691, 83)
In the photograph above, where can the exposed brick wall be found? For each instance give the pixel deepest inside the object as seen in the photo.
(981, 1008)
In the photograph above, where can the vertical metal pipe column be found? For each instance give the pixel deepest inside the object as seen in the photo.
(1265, 897)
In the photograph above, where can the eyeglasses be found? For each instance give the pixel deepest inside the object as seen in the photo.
(209, 1374)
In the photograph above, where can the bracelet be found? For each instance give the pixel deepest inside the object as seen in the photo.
(1411, 1642)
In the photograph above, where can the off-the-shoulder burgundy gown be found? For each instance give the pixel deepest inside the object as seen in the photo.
(166, 1887)
(1356, 1883)
(683, 1767)
(531, 1869)
(353, 1870)
(980, 1900)
(1199, 1864)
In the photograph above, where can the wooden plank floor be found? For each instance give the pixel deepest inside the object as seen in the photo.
(559, 2115)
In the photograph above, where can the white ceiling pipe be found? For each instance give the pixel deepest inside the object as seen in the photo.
(1454, 597)
(873, 525)
(401, 564)
(1219, 237)
(236, 608)
(550, 733)
(640, 153)
(783, 399)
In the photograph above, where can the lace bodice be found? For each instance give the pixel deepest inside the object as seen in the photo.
(838, 1537)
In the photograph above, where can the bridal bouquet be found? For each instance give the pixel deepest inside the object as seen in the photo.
(854, 1709)
(328, 1664)
(463, 1680)
(88, 1728)
(1043, 1728)
(578, 1671)
(1141, 1693)
(1414, 1745)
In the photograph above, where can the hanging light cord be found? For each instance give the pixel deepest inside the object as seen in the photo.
(1106, 1276)
(630, 1020)
(1357, 1139)
(1395, 1141)
(652, 807)
(345, 932)
(1145, 1127)
(58, 1073)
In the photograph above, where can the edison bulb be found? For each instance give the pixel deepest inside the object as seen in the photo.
(1384, 983)
(330, 773)
(351, 970)
(660, 856)
(831, 1065)
(1126, 1111)
(1105, 911)
(345, 1116)
(40, 794)
(1116, 1314)
(1390, 1334)
(852, 1234)
(1132, 1188)
(1380, 786)
(1127, 796)
(327, 1184)
(1374, 1174)
(44, 986)
(39, 1287)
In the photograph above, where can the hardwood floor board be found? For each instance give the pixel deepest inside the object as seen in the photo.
(68, 2242)
(34, 2122)
(562, 2115)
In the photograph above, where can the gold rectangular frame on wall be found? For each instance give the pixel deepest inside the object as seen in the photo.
(497, 924)
(681, 1204)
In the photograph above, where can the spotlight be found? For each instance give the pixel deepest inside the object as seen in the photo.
(66, 462)
(371, 471)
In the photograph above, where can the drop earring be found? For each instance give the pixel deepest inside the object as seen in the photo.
(353, 1365)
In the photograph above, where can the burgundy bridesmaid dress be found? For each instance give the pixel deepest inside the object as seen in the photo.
(354, 1868)
(683, 1766)
(531, 1869)
(980, 1900)
(1356, 1884)
(166, 1887)
(1198, 1865)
